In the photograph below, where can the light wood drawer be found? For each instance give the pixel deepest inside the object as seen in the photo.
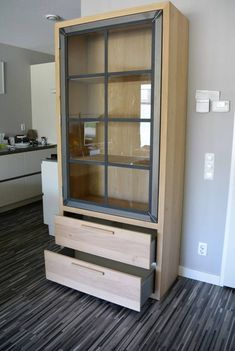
(116, 282)
(118, 244)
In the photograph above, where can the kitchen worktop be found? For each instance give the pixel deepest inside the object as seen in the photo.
(26, 149)
(50, 159)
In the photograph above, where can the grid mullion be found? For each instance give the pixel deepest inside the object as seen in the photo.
(106, 115)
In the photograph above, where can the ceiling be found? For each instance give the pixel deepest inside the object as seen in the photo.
(23, 23)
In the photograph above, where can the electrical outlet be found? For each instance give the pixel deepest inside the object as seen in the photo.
(202, 249)
(22, 127)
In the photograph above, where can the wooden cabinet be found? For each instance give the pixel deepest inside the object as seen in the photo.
(122, 81)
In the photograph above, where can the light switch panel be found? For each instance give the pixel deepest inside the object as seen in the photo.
(207, 94)
(209, 166)
(203, 105)
(220, 106)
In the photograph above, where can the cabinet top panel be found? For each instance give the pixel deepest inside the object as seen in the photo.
(114, 14)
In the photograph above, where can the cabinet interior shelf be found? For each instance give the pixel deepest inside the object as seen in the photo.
(114, 160)
(135, 75)
(113, 118)
(125, 205)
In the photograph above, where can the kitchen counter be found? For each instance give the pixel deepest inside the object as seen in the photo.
(50, 159)
(26, 149)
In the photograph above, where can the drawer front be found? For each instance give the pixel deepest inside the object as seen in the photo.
(121, 245)
(108, 284)
(11, 166)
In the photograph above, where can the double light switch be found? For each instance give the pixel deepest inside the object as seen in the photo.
(207, 100)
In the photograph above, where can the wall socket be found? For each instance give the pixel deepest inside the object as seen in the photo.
(202, 249)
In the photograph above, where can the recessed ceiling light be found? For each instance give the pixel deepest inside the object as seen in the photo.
(51, 17)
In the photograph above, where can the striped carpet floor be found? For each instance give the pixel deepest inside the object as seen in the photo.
(36, 314)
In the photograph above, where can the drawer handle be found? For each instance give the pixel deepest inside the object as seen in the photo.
(90, 269)
(86, 226)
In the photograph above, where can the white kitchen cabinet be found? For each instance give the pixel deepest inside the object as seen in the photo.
(50, 191)
(33, 185)
(32, 164)
(43, 100)
(20, 177)
(3, 193)
(11, 166)
(12, 191)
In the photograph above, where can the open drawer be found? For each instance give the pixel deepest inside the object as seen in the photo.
(127, 246)
(116, 282)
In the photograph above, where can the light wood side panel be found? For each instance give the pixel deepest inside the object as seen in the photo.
(118, 244)
(58, 114)
(174, 110)
(112, 285)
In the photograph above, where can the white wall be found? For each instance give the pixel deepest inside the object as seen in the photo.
(211, 66)
(15, 105)
(43, 101)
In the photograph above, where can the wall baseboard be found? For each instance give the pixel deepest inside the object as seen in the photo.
(20, 203)
(201, 276)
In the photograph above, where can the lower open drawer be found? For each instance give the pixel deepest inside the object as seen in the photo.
(116, 282)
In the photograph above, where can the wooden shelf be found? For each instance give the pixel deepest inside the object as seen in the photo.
(118, 203)
(91, 79)
(125, 160)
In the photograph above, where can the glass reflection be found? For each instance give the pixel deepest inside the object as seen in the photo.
(86, 140)
(129, 143)
(129, 96)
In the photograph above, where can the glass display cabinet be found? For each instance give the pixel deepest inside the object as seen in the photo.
(121, 104)
(111, 115)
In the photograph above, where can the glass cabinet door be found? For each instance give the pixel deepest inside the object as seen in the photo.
(110, 119)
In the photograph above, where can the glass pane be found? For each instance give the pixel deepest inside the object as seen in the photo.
(86, 140)
(129, 143)
(87, 182)
(129, 96)
(128, 188)
(129, 48)
(86, 53)
(86, 97)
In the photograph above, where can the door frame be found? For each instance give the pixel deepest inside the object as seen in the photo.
(230, 209)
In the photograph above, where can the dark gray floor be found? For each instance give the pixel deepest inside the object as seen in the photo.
(36, 314)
